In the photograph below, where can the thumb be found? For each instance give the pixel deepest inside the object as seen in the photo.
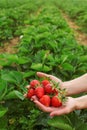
(40, 74)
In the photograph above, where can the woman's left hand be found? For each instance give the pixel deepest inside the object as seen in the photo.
(68, 107)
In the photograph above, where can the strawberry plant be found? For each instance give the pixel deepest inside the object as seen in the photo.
(47, 45)
(13, 19)
(76, 10)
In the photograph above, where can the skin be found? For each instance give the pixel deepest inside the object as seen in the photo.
(72, 87)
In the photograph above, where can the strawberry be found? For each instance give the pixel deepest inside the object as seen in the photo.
(39, 91)
(34, 83)
(56, 102)
(48, 88)
(30, 93)
(55, 91)
(45, 100)
(45, 82)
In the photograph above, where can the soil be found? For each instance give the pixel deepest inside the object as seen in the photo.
(10, 46)
(79, 36)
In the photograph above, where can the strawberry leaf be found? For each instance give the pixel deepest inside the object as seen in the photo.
(60, 122)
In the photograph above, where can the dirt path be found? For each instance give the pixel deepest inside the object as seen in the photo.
(10, 47)
(80, 37)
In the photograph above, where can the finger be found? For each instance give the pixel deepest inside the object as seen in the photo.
(25, 95)
(40, 74)
(59, 112)
(34, 98)
(42, 107)
(44, 75)
(28, 86)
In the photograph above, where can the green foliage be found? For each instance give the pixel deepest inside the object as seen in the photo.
(12, 19)
(2, 111)
(76, 9)
(47, 45)
(70, 122)
(61, 123)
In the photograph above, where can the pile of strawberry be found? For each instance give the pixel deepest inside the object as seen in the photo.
(47, 92)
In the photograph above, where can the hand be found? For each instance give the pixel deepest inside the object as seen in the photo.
(44, 75)
(68, 107)
(41, 75)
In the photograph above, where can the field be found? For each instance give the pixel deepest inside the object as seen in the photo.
(45, 43)
(76, 10)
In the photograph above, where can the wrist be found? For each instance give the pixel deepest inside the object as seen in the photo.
(65, 85)
(81, 102)
(77, 104)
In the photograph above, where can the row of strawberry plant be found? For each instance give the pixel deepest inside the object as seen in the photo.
(47, 45)
(76, 9)
(12, 20)
(11, 3)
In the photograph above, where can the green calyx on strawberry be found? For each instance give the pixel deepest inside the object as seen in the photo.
(34, 83)
(45, 100)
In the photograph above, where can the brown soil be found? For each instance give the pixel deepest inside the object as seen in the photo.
(10, 47)
(80, 37)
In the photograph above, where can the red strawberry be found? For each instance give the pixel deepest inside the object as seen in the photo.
(45, 100)
(30, 93)
(56, 102)
(45, 82)
(34, 83)
(39, 92)
(48, 88)
(55, 91)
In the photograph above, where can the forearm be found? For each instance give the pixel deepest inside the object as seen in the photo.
(81, 102)
(76, 86)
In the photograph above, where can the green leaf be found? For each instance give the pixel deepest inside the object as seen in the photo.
(83, 126)
(67, 66)
(83, 58)
(64, 58)
(7, 59)
(23, 60)
(3, 88)
(3, 122)
(3, 111)
(60, 122)
(40, 67)
(14, 95)
(12, 58)
(12, 76)
(28, 74)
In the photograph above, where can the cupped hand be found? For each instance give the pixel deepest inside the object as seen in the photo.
(44, 75)
(68, 107)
